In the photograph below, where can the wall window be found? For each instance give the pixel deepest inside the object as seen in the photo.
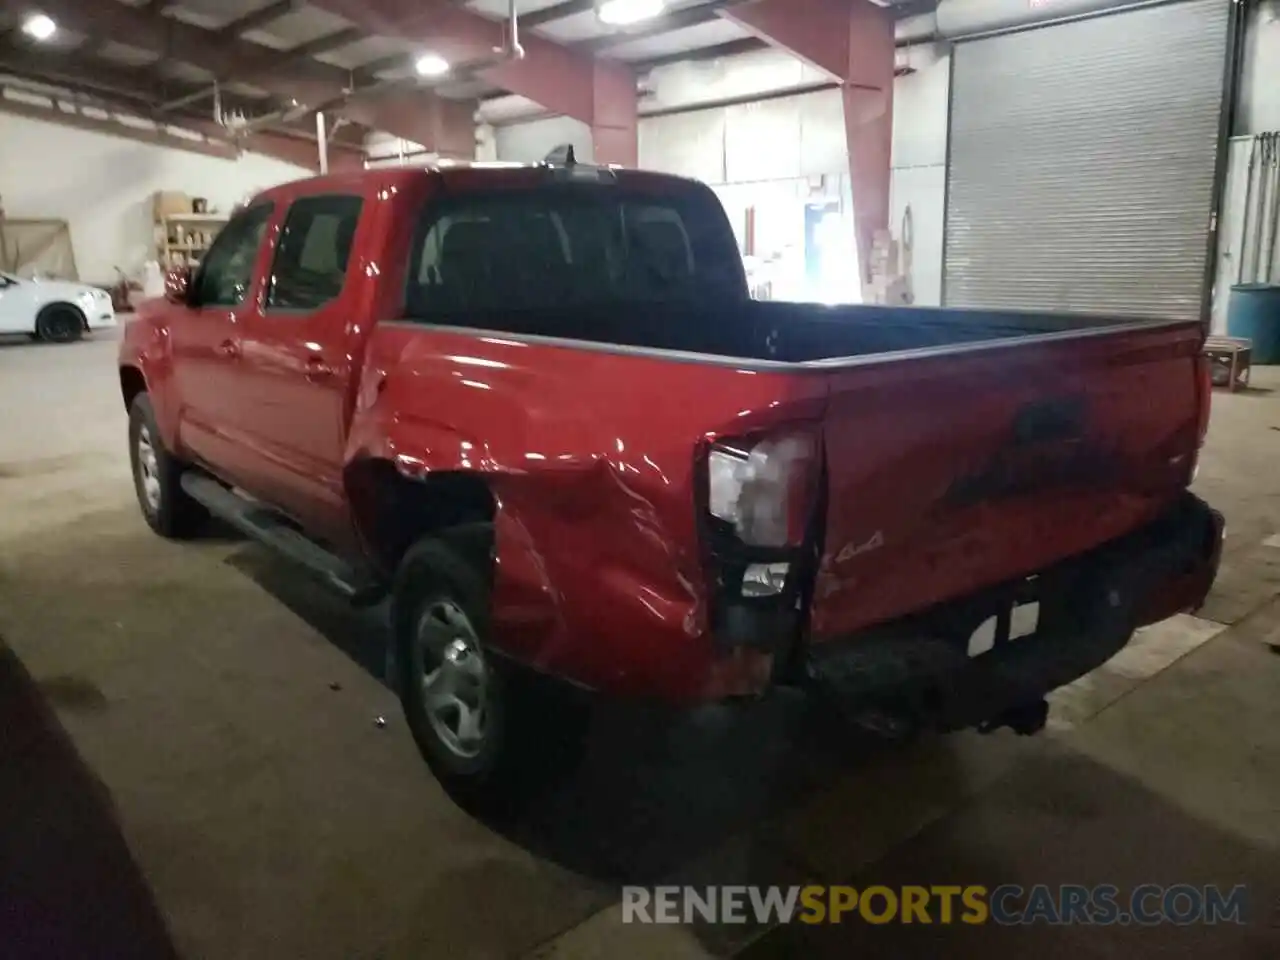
(226, 273)
(313, 251)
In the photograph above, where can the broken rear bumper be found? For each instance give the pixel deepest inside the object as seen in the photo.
(918, 673)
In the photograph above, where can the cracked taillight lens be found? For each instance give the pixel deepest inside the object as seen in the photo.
(764, 488)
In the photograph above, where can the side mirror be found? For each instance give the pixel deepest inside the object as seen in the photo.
(177, 286)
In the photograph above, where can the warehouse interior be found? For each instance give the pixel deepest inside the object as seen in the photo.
(201, 753)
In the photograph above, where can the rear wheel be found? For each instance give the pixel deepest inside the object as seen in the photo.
(60, 323)
(489, 729)
(157, 477)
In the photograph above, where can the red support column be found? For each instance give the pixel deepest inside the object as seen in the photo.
(446, 127)
(852, 40)
(613, 116)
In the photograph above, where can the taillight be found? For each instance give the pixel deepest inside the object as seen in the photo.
(766, 487)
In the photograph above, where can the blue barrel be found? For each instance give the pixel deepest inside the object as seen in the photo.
(1253, 312)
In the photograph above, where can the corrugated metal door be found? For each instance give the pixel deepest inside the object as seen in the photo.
(1082, 163)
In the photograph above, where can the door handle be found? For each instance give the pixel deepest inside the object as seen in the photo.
(229, 349)
(317, 369)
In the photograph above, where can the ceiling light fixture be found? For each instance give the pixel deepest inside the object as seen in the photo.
(431, 65)
(623, 13)
(39, 27)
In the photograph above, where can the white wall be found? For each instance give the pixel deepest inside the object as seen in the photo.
(802, 135)
(102, 185)
(531, 142)
(919, 175)
(794, 136)
(1258, 111)
(779, 146)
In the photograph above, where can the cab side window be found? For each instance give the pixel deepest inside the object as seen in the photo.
(226, 274)
(313, 252)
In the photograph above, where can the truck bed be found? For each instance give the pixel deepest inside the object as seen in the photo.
(948, 468)
(781, 332)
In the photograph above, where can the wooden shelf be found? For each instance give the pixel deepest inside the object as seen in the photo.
(187, 225)
(196, 218)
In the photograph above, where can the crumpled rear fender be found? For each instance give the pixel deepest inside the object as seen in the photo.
(591, 459)
(587, 582)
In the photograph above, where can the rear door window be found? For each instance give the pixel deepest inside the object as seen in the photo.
(561, 246)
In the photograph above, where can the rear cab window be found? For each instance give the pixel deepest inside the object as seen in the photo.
(569, 244)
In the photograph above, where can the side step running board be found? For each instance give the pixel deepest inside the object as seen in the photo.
(266, 526)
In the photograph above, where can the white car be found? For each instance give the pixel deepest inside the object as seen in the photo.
(52, 310)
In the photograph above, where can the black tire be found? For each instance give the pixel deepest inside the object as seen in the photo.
(170, 512)
(60, 323)
(534, 728)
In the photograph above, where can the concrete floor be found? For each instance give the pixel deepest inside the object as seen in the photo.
(190, 763)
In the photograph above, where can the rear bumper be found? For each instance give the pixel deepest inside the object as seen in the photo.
(1188, 553)
(920, 672)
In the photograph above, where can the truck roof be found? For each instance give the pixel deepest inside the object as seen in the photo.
(467, 175)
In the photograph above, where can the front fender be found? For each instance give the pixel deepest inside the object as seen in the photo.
(145, 347)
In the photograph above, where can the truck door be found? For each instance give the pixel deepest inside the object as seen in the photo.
(296, 369)
(206, 343)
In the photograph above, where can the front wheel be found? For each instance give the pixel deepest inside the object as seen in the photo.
(488, 729)
(60, 323)
(157, 477)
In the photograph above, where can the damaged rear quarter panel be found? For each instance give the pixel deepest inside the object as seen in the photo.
(591, 456)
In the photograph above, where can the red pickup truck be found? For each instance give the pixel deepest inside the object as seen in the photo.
(536, 407)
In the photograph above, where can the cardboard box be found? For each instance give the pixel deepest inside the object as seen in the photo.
(170, 203)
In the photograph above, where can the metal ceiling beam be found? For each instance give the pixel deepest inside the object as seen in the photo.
(224, 57)
(560, 11)
(257, 19)
(568, 82)
(309, 82)
(288, 147)
(397, 61)
(666, 23)
(121, 88)
(75, 73)
(152, 136)
(853, 42)
(250, 21)
(330, 41)
(732, 48)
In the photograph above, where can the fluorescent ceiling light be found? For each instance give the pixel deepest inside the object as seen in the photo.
(431, 65)
(623, 13)
(39, 27)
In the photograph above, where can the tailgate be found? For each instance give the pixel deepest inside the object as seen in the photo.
(949, 472)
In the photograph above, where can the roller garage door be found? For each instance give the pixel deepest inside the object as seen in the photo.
(1082, 163)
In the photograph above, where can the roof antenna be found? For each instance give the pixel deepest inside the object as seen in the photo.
(562, 155)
